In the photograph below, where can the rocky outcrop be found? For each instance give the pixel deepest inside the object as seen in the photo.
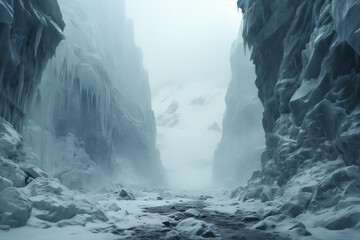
(29, 34)
(307, 62)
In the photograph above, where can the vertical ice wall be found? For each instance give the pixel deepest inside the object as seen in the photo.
(29, 34)
(92, 112)
(238, 153)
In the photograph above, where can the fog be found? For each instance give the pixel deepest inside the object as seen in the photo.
(185, 40)
(186, 48)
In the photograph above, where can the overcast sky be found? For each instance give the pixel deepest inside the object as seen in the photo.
(185, 40)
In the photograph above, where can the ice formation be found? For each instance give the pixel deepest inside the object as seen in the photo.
(238, 153)
(92, 111)
(307, 62)
(88, 110)
(30, 32)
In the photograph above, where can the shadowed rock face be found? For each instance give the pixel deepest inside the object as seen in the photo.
(29, 33)
(306, 55)
(307, 62)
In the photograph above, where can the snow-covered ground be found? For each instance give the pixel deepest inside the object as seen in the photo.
(133, 212)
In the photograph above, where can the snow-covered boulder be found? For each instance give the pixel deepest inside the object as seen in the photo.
(191, 228)
(5, 183)
(15, 207)
(125, 194)
(192, 212)
(42, 186)
(12, 172)
(172, 235)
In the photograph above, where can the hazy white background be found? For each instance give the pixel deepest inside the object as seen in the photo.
(186, 46)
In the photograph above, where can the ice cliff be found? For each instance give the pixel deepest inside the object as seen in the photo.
(29, 34)
(92, 115)
(87, 106)
(307, 59)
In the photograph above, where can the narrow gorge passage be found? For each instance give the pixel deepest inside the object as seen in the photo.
(179, 120)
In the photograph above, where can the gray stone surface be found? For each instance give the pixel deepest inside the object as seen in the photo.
(306, 55)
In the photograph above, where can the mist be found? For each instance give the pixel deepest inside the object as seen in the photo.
(179, 119)
(188, 60)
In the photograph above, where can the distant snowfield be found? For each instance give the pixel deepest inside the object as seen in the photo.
(189, 120)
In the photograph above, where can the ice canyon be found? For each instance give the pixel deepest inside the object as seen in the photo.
(79, 154)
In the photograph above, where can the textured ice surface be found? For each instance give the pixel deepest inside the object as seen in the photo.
(92, 112)
(306, 55)
(15, 207)
(30, 32)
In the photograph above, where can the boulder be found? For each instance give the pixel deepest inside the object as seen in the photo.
(15, 207)
(126, 195)
(297, 205)
(192, 212)
(5, 183)
(11, 171)
(172, 235)
(347, 220)
(192, 229)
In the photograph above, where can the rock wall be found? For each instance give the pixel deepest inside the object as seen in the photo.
(92, 112)
(306, 54)
(29, 34)
(307, 64)
(242, 143)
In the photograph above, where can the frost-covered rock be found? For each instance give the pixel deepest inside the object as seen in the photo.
(306, 55)
(12, 172)
(42, 186)
(192, 212)
(5, 183)
(346, 220)
(191, 228)
(57, 204)
(125, 194)
(15, 207)
(31, 30)
(10, 140)
(172, 235)
(298, 204)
